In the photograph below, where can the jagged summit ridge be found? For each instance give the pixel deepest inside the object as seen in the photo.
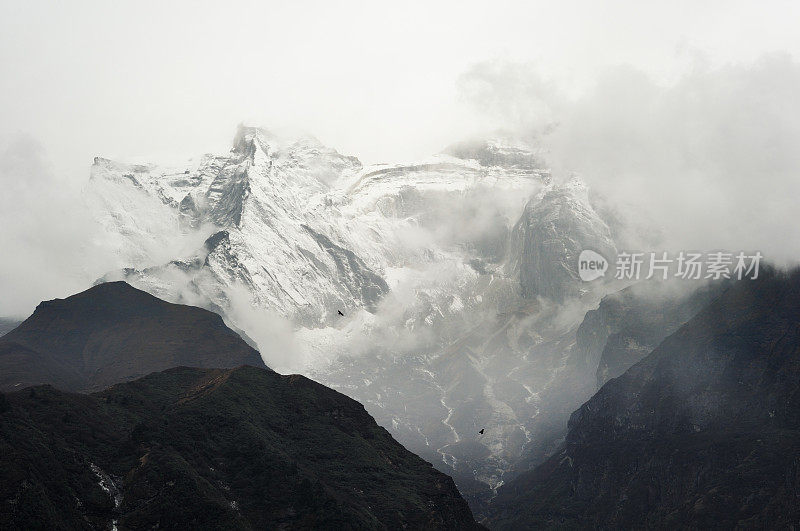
(262, 194)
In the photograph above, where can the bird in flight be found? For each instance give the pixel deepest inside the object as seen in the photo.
(340, 312)
(481, 432)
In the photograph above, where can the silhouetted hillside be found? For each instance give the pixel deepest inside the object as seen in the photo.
(113, 333)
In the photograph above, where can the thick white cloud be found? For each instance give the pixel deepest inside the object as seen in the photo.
(709, 161)
(48, 240)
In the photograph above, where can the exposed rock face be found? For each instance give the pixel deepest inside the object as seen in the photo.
(703, 432)
(241, 448)
(549, 237)
(113, 333)
(363, 284)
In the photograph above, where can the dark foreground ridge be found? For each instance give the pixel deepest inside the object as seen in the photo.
(187, 448)
(702, 433)
(113, 333)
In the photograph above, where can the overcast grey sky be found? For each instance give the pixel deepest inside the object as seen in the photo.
(684, 114)
(143, 79)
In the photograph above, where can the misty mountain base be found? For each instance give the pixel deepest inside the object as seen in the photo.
(704, 432)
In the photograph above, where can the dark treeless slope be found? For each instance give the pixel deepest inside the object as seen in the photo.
(191, 448)
(704, 432)
(113, 333)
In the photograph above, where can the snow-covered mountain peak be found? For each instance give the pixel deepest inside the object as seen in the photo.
(417, 288)
(304, 222)
(248, 138)
(295, 151)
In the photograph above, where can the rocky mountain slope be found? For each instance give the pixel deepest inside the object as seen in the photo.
(549, 237)
(703, 432)
(113, 333)
(241, 448)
